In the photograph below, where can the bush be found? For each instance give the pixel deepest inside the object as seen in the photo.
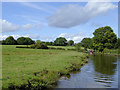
(39, 45)
(22, 47)
(77, 47)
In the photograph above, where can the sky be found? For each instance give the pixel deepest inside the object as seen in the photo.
(47, 21)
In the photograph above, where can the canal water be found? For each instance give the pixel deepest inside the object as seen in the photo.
(99, 72)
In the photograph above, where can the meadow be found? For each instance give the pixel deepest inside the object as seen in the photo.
(37, 68)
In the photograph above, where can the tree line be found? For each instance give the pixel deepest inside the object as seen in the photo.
(61, 41)
(20, 41)
(104, 37)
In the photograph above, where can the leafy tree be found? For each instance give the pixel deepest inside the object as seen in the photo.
(108, 45)
(78, 44)
(70, 42)
(86, 42)
(25, 41)
(21, 41)
(104, 37)
(117, 43)
(39, 45)
(28, 41)
(10, 41)
(61, 41)
(3, 42)
(49, 43)
(100, 47)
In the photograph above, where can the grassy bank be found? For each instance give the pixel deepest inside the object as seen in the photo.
(37, 68)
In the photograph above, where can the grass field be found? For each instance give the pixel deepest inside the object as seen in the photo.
(64, 47)
(37, 67)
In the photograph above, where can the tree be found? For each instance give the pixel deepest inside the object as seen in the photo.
(25, 41)
(49, 43)
(100, 47)
(21, 41)
(10, 41)
(61, 41)
(117, 43)
(108, 45)
(28, 41)
(70, 42)
(39, 45)
(3, 42)
(104, 37)
(86, 42)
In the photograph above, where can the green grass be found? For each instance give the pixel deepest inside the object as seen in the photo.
(64, 47)
(19, 64)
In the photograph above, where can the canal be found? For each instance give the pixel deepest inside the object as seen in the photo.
(99, 72)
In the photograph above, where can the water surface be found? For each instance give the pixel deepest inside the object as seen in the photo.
(100, 72)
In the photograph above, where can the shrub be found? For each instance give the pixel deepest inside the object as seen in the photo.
(22, 47)
(77, 47)
(39, 45)
(32, 46)
(106, 50)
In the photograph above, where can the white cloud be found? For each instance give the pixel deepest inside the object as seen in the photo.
(27, 26)
(34, 36)
(73, 14)
(3, 37)
(48, 38)
(36, 26)
(75, 37)
(95, 24)
(8, 27)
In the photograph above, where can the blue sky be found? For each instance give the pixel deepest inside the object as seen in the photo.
(47, 21)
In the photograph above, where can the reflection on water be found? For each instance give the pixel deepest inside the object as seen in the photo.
(100, 72)
(105, 64)
(105, 67)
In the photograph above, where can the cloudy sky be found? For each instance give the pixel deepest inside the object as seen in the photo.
(48, 20)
